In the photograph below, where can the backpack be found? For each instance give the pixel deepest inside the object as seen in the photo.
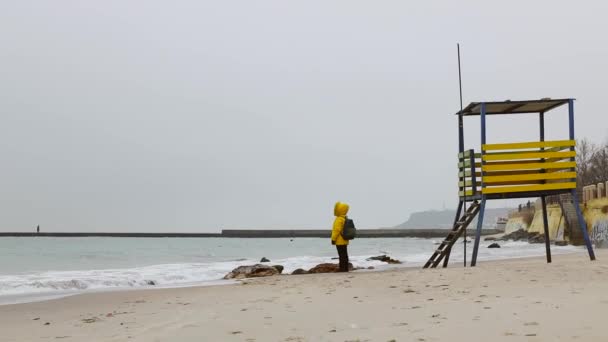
(349, 231)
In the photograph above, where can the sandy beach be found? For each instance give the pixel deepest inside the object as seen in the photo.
(509, 300)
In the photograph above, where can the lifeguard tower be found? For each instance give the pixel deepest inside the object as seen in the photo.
(512, 170)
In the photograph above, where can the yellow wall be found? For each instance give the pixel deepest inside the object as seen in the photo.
(515, 224)
(596, 216)
(554, 217)
(595, 212)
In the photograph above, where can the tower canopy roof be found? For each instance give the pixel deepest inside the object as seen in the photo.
(513, 107)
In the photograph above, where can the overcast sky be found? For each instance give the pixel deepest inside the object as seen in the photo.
(202, 115)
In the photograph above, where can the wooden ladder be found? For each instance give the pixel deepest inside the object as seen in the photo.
(457, 230)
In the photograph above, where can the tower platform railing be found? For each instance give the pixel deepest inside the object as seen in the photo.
(521, 169)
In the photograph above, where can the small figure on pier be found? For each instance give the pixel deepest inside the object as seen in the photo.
(38, 229)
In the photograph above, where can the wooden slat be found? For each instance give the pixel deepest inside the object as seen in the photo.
(467, 173)
(509, 173)
(528, 145)
(529, 182)
(467, 163)
(528, 188)
(529, 155)
(469, 181)
(548, 181)
(529, 166)
(469, 193)
(553, 149)
(502, 162)
(478, 164)
(523, 172)
(467, 154)
(519, 183)
(529, 177)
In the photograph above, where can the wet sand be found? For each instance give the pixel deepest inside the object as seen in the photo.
(510, 300)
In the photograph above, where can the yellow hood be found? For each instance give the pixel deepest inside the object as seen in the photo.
(341, 209)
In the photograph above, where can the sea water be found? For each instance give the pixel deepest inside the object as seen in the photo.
(35, 268)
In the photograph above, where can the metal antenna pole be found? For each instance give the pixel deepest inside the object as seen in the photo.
(461, 142)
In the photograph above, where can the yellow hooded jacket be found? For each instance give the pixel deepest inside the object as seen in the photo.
(340, 211)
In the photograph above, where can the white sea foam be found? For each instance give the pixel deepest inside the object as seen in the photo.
(165, 275)
(157, 275)
(31, 285)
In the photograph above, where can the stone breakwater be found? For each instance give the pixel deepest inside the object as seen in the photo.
(263, 233)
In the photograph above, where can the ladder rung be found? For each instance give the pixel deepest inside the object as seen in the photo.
(453, 235)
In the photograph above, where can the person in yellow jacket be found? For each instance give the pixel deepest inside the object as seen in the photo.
(340, 211)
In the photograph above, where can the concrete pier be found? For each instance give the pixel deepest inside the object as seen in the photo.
(264, 233)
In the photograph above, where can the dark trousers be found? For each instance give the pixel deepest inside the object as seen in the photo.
(343, 256)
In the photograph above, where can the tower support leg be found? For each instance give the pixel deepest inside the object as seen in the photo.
(546, 229)
(458, 212)
(482, 210)
(581, 223)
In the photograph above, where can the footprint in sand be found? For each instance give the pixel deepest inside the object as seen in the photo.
(295, 339)
(91, 320)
